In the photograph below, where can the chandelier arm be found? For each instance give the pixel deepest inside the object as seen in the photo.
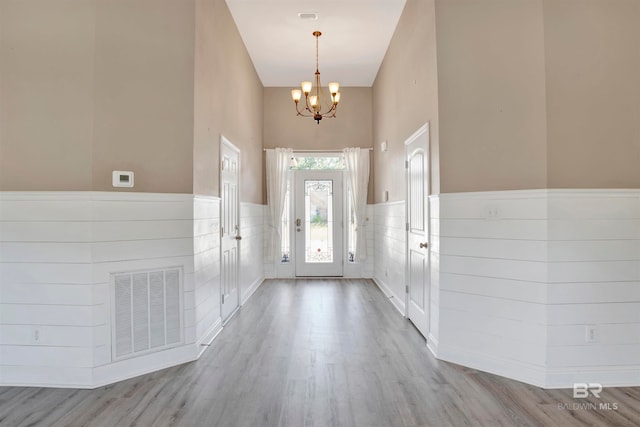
(302, 113)
(333, 109)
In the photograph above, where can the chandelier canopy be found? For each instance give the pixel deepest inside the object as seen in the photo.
(314, 98)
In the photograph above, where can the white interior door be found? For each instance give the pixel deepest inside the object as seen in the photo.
(418, 275)
(229, 228)
(318, 223)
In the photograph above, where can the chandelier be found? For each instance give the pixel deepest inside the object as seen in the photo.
(314, 97)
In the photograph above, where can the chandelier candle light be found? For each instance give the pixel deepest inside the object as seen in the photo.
(314, 97)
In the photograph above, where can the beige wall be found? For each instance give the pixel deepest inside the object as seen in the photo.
(491, 85)
(593, 93)
(538, 94)
(405, 97)
(228, 101)
(46, 94)
(144, 71)
(92, 86)
(89, 87)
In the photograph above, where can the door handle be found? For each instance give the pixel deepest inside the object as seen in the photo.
(424, 245)
(298, 222)
(238, 237)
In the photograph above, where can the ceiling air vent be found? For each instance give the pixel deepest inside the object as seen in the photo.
(308, 15)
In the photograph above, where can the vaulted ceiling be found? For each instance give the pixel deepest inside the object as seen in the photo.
(355, 37)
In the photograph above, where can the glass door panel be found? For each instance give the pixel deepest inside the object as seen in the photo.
(318, 224)
(318, 214)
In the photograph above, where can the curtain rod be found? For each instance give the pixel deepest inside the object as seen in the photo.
(320, 151)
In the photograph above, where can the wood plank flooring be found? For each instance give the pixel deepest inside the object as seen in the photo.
(316, 353)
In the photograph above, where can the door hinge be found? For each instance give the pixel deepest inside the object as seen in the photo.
(222, 298)
(406, 289)
(406, 164)
(406, 226)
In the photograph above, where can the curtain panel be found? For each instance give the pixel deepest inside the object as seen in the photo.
(357, 167)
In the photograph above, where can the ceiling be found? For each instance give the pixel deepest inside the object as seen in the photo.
(355, 37)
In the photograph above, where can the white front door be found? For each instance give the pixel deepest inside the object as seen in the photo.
(418, 276)
(229, 227)
(318, 223)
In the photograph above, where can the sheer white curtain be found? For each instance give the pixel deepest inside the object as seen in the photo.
(357, 166)
(277, 179)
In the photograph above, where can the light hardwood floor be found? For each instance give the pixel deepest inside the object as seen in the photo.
(316, 353)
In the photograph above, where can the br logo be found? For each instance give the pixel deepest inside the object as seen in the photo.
(582, 390)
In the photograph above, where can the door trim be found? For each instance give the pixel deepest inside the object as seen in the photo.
(224, 141)
(424, 129)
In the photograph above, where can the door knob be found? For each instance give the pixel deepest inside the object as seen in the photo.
(424, 245)
(238, 237)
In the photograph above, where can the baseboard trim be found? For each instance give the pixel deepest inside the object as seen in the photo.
(512, 369)
(395, 300)
(207, 339)
(608, 376)
(432, 345)
(252, 289)
(136, 366)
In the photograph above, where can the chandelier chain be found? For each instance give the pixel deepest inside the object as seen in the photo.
(317, 67)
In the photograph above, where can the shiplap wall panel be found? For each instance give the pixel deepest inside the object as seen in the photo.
(58, 250)
(610, 334)
(206, 277)
(499, 268)
(48, 356)
(493, 272)
(435, 274)
(127, 230)
(45, 252)
(508, 289)
(602, 250)
(56, 232)
(389, 251)
(509, 249)
(553, 262)
(46, 293)
(594, 292)
(594, 281)
(531, 205)
(252, 217)
(484, 228)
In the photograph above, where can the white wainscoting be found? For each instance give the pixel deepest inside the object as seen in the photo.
(523, 273)
(252, 230)
(434, 282)
(492, 283)
(363, 269)
(47, 320)
(594, 280)
(389, 251)
(206, 259)
(57, 253)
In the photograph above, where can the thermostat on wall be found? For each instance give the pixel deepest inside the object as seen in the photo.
(122, 179)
